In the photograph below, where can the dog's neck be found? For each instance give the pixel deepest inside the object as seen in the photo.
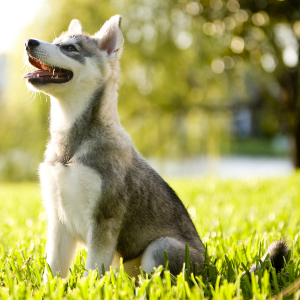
(66, 110)
(76, 128)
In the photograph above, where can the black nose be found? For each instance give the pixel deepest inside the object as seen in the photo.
(29, 44)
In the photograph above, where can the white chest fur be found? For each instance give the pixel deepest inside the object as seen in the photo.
(70, 194)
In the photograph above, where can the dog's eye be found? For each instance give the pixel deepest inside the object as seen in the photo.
(70, 48)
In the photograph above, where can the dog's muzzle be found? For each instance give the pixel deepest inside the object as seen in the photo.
(44, 74)
(31, 43)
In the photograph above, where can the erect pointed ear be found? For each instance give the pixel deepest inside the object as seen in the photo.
(110, 37)
(75, 27)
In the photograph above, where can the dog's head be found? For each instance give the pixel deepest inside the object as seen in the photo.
(75, 60)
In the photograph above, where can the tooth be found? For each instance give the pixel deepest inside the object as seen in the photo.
(56, 77)
(51, 77)
(38, 75)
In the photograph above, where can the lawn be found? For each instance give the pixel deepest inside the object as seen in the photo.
(235, 219)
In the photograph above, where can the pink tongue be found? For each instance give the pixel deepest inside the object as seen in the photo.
(43, 73)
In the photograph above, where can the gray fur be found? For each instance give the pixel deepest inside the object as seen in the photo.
(87, 46)
(174, 248)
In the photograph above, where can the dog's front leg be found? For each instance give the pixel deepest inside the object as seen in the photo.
(102, 241)
(61, 247)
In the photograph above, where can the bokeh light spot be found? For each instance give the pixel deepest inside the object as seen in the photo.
(134, 35)
(237, 44)
(220, 26)
(216, 4)
(260, 18)
(228, 62)
(217, 66)
(238, 62)
(233, 5)
(268, 62)
(144, 13)
(193, 8)
(184, 40)
(257, 33)
(241, 16)
(290, 57)
(229, 23)
(29, 222)
(148, 32)
(296, 28)
(209, 28)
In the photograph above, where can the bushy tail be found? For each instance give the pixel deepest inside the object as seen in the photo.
(278, 252)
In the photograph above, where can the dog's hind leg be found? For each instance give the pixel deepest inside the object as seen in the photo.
(153, 256)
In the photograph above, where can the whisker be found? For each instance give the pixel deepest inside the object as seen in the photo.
(55, 37)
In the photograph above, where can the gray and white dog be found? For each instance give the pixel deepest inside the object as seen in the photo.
(97, 188)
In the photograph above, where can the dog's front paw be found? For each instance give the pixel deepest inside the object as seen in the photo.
(48, 275)
(45, 276)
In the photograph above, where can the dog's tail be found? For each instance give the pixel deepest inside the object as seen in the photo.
(277, 253)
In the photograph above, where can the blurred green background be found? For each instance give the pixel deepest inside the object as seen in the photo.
(197, 78)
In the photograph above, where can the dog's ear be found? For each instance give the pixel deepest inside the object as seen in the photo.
(75, 27)
(110, 37)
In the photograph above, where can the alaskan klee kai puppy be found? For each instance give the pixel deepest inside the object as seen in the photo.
(97, 188)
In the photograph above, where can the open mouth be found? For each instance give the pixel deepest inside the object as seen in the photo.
(47, 74)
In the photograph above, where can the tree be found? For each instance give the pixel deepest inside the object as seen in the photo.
(269, 32)
(185, 66)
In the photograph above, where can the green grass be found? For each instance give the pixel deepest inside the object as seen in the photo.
(235, 219)
(257, 147)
